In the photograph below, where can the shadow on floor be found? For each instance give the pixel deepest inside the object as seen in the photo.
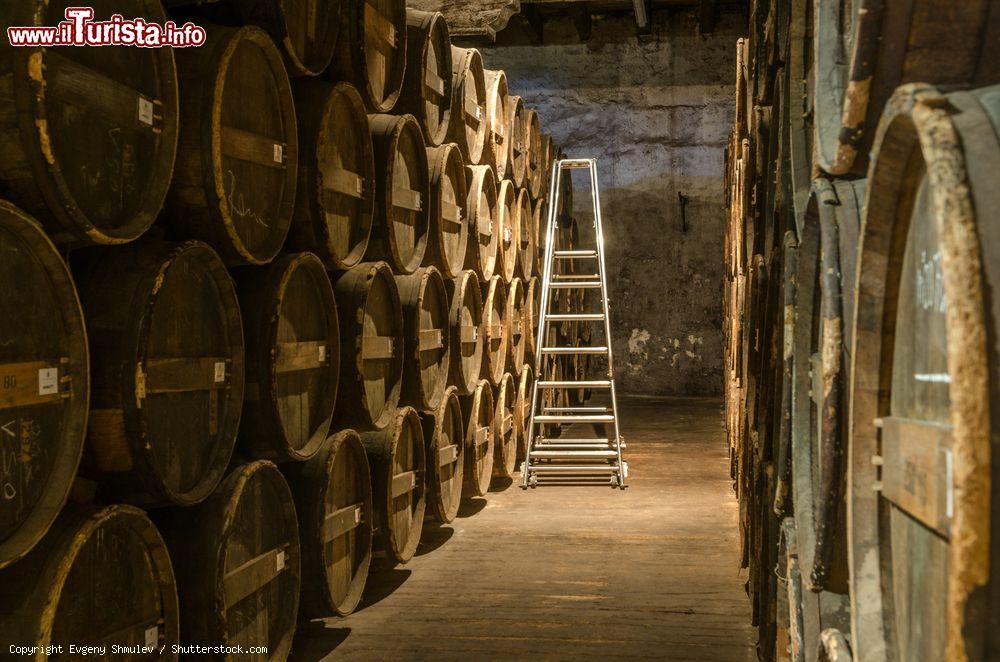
(382, 582)
(433, 537)
(501, 484)
(471, 507)
(315, 640)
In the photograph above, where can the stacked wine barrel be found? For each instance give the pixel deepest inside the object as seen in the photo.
(862, 379)
(249, 291)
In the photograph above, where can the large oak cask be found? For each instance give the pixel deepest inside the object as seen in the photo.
(428, 86)
(449, 226)
(497, 111)
(504, 428)
(307, 31)
(495, 336)
(527, 249)
(469, 125)
(444, 436)
(371, 52)
(514, 326)
(509, 241)
(522, 409)
(484, 235)
(44, 382)
(166, 339)
(426, 338)
(534, 175)
(89, 134)
(478, 412)
(517, 143)
(465, 318)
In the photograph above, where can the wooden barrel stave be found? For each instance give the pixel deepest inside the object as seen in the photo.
(522, 409)
(478, 412)
(44, 382)
(335, 202)
(497, 111)
(98, 578)
(495, 338)
(525, 221)
(333, 501)
(292, 336)
(444, 437)
(371, 51)
(371, 346)
(469, 125)
(398, 470)
(532, 303)
(534, 158)
(484, 232)
(465, 319)
(402, 209)
(93, 159)
(426, 338)
(509, 241)
(517, 143)
(449, 212)
(428, 84)
(166, 339)
(505, 439)
(514, 326)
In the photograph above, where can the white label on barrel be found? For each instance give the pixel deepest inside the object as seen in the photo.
(48, 381)
(479, 112)
(145, 111)
(360, 185)
(357, 516)
(322, 353)
(279, 153)
(220, 372)
(152, 636)
(280, 560)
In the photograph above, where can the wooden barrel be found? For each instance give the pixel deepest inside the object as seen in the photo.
(535, 157)
(426, 338)
(98, 578)
(89, 134)
(864, 50)
(166, 342)
(428, 86)
(478, 412)
(505, 439)
(371, 346)
(333, 500)
(469, 125)
(546, 159)
(305, 31)
(517, 143)
(465, 317)
(484, 236)
(449, 231)
(494, 333)
(444, 437)
(335, 202)
(402, 214)
(924, 365)
(527, 250)
(398, 468)
(237, 158)
(509, 244)
(44, 382)
(497, 111)
(372, 51)
(292, 337)
(539, 225)
(514, 326)
(238, 563)
(522, 409)
(529, 324)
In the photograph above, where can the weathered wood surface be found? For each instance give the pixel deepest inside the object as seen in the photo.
(478, 412)
(514, 326)
(497, 112)
(493, 330)
(306, 30)
(469, 126)
(527, 235)
(472, 19)
(449, 210)
(517, 142)
(504, 427)
(509, 229)
(428, 86)
(371, 51)
(426, 338)
(522, 409)
(484, 231)
(444, 437)
(465, 319)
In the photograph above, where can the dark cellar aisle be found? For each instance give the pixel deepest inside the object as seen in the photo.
(574, 572)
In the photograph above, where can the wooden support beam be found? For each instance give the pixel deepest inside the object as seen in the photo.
(642, 16)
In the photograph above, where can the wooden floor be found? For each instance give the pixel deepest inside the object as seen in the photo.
(574, 572)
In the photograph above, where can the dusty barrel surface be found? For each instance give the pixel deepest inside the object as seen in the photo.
(335, 202)
(426, 338)
(167, 378)
(532, 302)
(505, 439)
(517, 143)
(497, 111)
(444, 437)
(89, 134)
(509, 242)
(97, 578)
(469, 124)
(478, 411)
(306, 30)
(238, 562)
(333, 501)
(237, 159)
(514, 326)
(925, 362)
(465, 317)
(292, 337)
(546, 160)
(522, 409)
(527, 250)
(44, 382)
(428, 86)
(398, 470)
(534, 160)
(539, 225)
(402, 212)
(483, 212)
(371, 346)
(449, 228)
(371, 52)
(493, 331)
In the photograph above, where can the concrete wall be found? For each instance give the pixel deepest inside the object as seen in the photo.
(656, 114)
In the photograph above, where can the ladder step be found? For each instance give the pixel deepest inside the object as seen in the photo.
(583, 384)
(564, 441)
(561, 277)
(578, 418)
(580, 410)
(567, 164)
(568, 255)
(574, 350)
(575, 317)
(573, 468)
(575, 284)
(572, 454)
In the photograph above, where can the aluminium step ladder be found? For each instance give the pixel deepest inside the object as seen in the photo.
(555, 459)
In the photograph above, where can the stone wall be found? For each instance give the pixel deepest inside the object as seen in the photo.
(656, 114)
